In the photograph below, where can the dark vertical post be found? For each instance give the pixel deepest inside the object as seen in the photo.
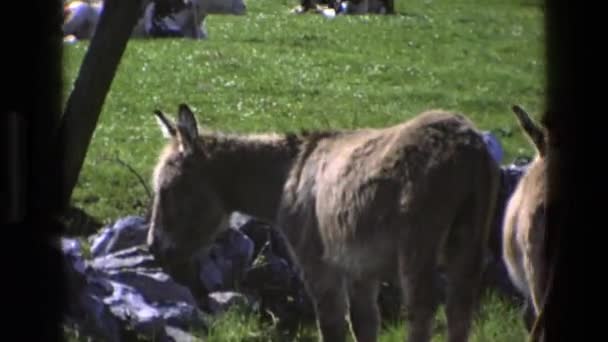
(93, 83)
(561, 120)
(15, 160)
(30, 107)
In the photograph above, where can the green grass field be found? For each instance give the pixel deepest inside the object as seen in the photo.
(497, 321)
(273, 71)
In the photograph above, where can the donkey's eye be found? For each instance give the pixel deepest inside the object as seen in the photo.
(176, 161)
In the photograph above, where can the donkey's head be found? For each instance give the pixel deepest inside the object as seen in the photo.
(187, 210)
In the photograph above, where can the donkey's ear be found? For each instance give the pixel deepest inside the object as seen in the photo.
(534, 131)
(187, 128)
(166, 126)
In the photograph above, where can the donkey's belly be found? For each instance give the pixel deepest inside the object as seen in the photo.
(357, 223)
(375, 257)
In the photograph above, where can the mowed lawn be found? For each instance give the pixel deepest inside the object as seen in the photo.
(273, 71)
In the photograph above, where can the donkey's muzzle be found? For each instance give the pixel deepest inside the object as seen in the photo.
(154, 248)
(167, 255)
(161, 252)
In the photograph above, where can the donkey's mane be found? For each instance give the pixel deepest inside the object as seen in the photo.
(217, 141)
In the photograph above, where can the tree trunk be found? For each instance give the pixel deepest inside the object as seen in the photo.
(94, 80)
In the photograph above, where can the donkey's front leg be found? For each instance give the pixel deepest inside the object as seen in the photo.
(327, 289)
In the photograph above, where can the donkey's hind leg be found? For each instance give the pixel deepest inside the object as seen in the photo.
(528, 315)
(464, 265)
(462, 293)
(364, 311)
(417, 263)
(327, 289)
